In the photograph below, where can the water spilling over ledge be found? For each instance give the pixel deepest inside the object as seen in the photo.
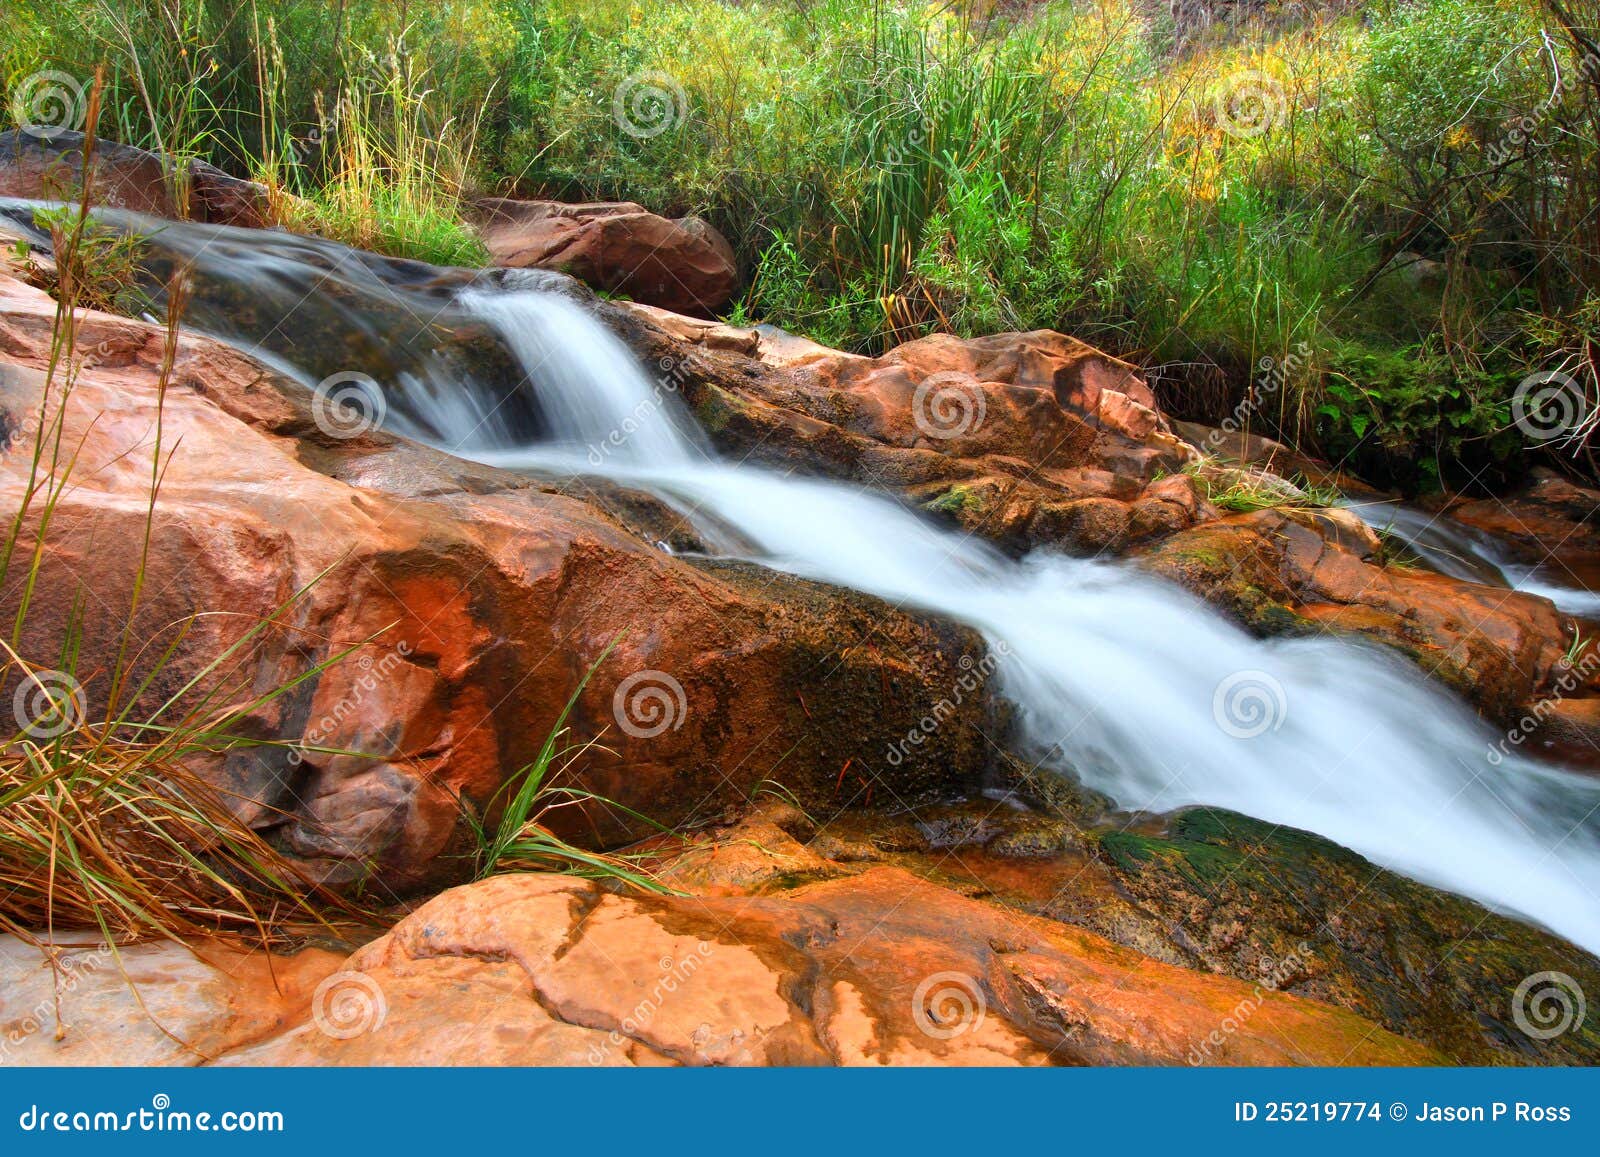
(1122, 681)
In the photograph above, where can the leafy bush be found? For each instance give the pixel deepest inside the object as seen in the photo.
(1409, 178)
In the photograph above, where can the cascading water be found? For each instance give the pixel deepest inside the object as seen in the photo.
(1459, 551)
(1124, 681)
(589, 386)
(1150, 697)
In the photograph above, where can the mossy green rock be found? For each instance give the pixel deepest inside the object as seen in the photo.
(1294, 911)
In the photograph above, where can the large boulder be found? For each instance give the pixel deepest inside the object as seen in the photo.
(683, 265)
(124, 177)
(1027, 439)
(880, 968)
(470, 601)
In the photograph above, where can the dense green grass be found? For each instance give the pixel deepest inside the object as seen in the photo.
(1404, 203)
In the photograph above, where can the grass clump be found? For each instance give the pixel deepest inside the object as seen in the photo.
(1389, 201)
(105, 821)
(520, 838)
(1242, 490)
(105, 267)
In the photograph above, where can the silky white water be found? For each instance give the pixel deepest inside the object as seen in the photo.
(1142, 691)
(1459, 551)
(1122, 680)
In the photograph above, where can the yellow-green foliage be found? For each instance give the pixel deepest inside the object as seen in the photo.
(884, 170)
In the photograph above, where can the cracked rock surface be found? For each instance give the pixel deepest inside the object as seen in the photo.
(879, 968)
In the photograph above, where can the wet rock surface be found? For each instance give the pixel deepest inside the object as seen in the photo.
(471, 602)
(880, 968)
(1275, 908)
(976, 932)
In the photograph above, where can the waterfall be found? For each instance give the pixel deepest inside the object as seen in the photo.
(1140, 690)
(592, 392)
(1124, 681)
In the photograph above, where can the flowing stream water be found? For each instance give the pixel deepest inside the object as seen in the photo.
(1127, 682)
(1457, 550)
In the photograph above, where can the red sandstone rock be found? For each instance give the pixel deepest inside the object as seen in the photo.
(472, 602)
(879, 968)
(125, 177)
(683, 265)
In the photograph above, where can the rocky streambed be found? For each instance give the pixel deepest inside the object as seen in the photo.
(880, 852)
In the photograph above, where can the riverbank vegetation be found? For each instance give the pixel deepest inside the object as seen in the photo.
(1378, 218)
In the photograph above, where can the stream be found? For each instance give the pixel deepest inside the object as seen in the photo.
(1124, 681)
